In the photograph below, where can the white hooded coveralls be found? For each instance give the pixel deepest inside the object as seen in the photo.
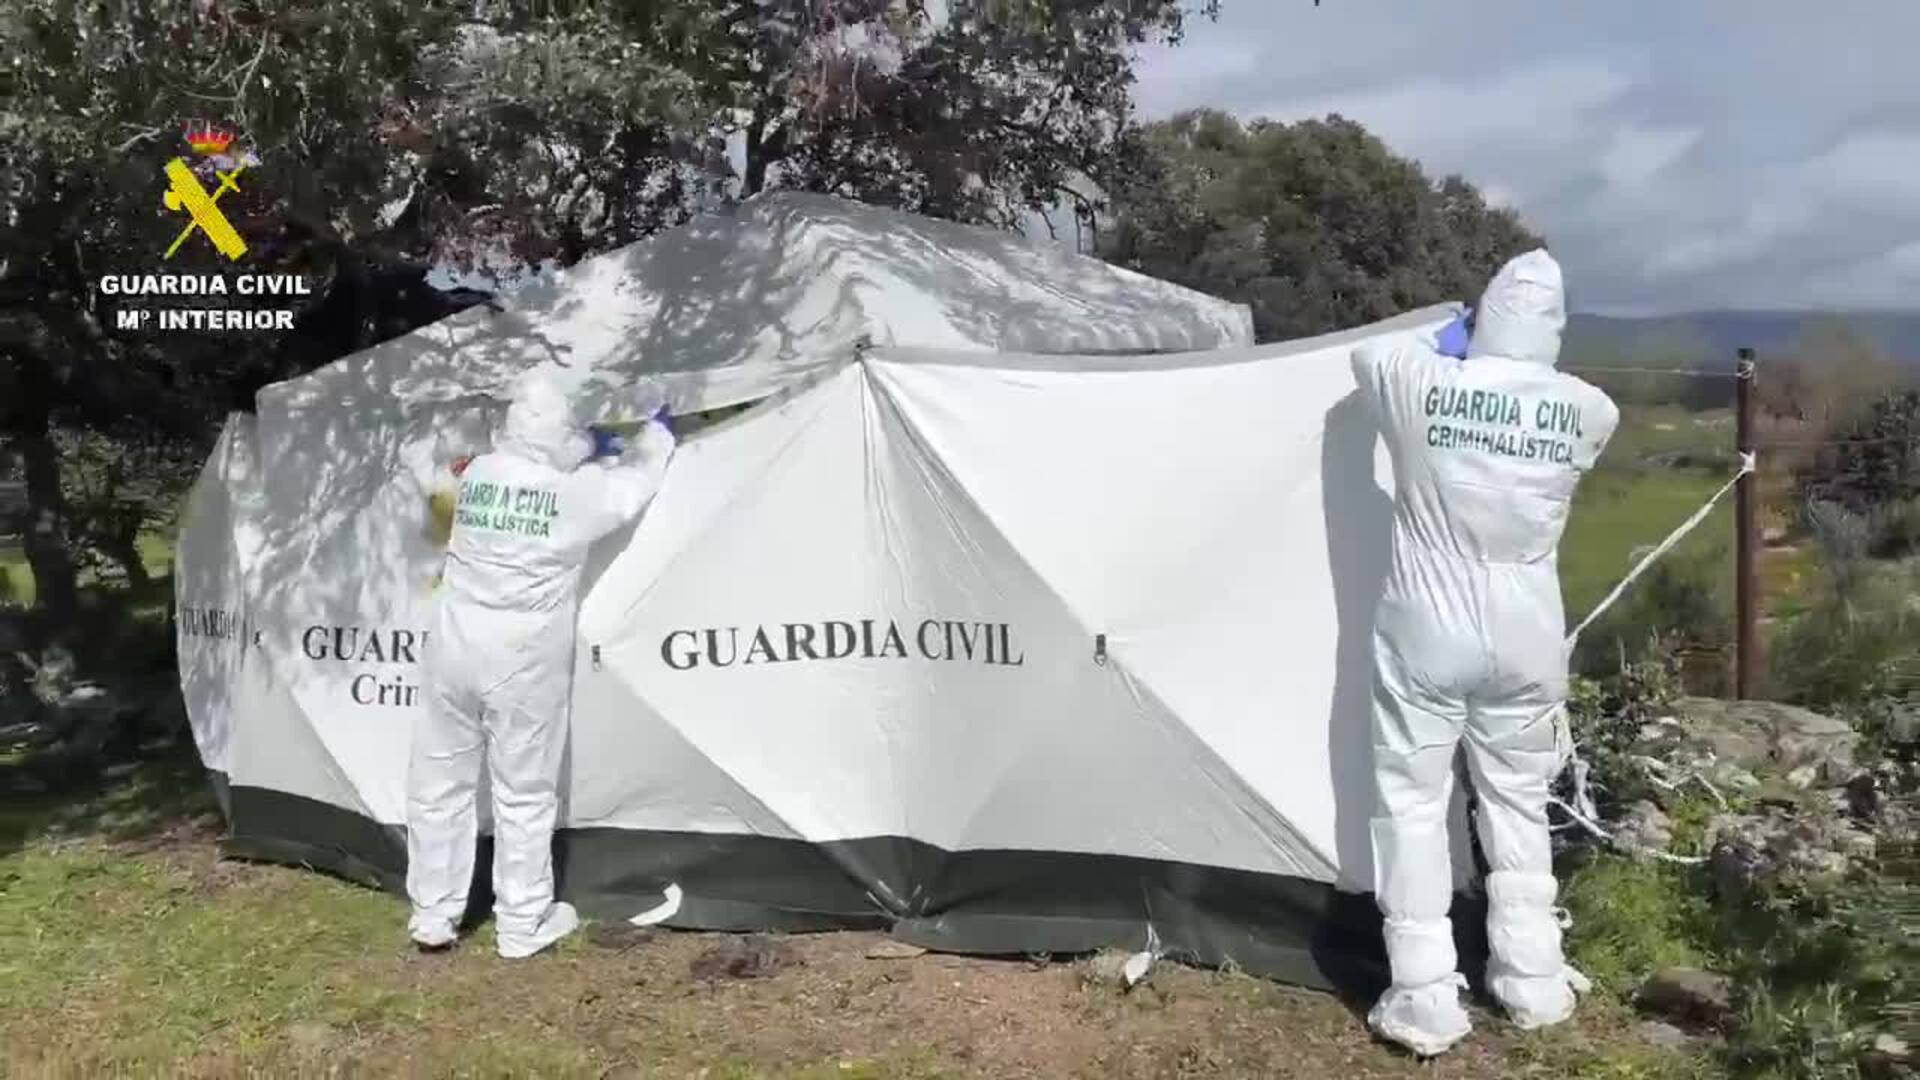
(1469, 638)
(499, 663)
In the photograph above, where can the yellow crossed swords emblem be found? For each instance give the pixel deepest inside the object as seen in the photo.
(184, 191)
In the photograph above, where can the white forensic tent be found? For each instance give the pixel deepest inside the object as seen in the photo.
(986, 626)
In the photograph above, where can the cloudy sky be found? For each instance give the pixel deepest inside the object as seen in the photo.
(1677, 155)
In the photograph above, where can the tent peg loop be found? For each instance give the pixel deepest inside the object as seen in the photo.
(1100, 649)
(596, 658)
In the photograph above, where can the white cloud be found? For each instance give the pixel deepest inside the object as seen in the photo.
(1637, 155)
(1874, 168)
(1545, 100)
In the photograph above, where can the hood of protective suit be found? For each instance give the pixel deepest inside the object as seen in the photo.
(539, 424)
(1523, 312)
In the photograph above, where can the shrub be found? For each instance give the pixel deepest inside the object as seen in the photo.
(1895, 530)
(1631, 919)
(1681, 611)
(1859, 641)
(1820, 971)
(1873, 459)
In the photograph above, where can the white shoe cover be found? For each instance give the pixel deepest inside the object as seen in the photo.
(559, 921)
(430, 933)
(1533, 1002)
(1427, 1020)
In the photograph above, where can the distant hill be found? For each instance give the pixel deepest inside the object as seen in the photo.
(1709, 338)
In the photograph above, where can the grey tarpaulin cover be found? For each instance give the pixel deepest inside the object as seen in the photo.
(1002, 633)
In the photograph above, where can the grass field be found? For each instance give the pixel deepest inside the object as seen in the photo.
(1637, 495)
(16, 577)
(128, 948)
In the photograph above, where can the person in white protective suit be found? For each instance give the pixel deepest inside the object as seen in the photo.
(1469, 645)
(499, 663)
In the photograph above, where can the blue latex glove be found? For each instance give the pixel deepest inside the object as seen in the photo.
(606, 443)
(660, 417)
(1454, 337)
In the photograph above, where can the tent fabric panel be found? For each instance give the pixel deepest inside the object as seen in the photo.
(273, 825)
(704, 638)
(343, 585)
(771, 286)
(1226, 355)
(1231, 560)
(1144, 786)
(998, 902)
(211, 617)
(871, 538)
(627, 767)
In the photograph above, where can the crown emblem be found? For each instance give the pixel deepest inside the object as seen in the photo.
(207, 139)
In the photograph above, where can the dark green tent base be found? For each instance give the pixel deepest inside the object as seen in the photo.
(1003, 903)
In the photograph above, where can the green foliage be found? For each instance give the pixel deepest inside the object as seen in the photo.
(1875, 459)
(1896, 529)
(394, 134)
(1859, 641)
(1818, 972)
(1661, 465)
(1606, 715)
(1001, 107)
(1820, 966)
(1631, 919)
(1316, 225)
(118, 487)
(1679, 612)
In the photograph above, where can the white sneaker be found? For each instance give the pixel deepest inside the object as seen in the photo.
(1427, 1020)
(1537, 1002)
(559, 921)
(432, 933)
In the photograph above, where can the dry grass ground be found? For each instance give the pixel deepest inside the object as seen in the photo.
(128, 947)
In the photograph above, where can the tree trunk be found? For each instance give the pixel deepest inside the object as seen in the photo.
(123, 547)
(56, 586)
(766, 142)
(756, 172)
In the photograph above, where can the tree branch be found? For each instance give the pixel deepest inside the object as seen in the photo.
(137, 138)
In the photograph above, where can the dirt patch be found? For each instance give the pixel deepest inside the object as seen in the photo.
(197, 836)
(754, 956)
(699, 1004)
(619, 1000)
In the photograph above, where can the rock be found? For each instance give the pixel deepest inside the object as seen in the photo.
(1890, 1058)
(1903, 727)
(1804, 776)
(1728, 731)
(1661, 1034)
(1737, 867)
(1863, 797)
(1765, 736)
(1644, 828)
(1807, 847)
(1108, 967)
(894, 950)
(1859, 845)
(1689, 996)
(618, 936)
(754, 956)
